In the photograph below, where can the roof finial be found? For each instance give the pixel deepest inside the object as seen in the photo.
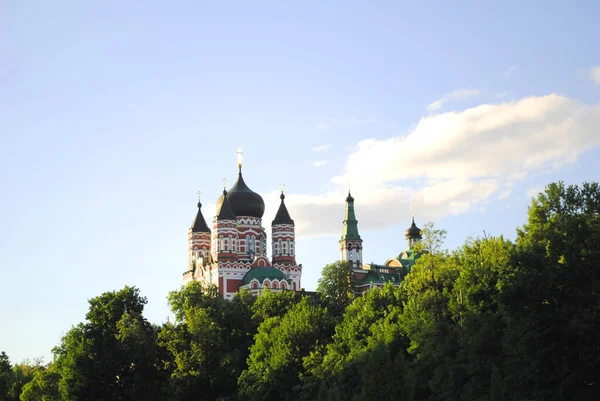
(282, 186)
(412, 212)
(199, 194)
(240, 157)
(224, 182)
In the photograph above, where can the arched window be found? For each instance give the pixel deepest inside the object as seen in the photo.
(255, 284)
(275, 285)
(283, 285)
(291, 248)
(284, 247)
(266, 284)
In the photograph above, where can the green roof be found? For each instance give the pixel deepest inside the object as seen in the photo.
(350, 230)
(410, 259)
(262, 273)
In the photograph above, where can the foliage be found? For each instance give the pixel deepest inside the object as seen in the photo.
(491, 320)
(5, 376)
(336, 286)
(432, 241)
(208, 344)
(276, 358)
(43, 386)
(113, 355)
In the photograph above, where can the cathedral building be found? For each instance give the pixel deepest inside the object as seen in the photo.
(233, 255)
(371, 275)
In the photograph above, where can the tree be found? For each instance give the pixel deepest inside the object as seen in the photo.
(208, 344)
(22, 374)
(276, 358)
(5, 376)
(432, 241)
(113, 355)
(272, 304)
(366, 358)
(336, 286)
(43, 386)
(551, 302)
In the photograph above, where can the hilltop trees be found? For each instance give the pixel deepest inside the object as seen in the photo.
(551, 303)
(491, 320)
(208, 344)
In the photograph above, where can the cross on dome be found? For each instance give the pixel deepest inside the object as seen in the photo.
(199, 193)
(282, 186)
(224, 183)
(240, 157)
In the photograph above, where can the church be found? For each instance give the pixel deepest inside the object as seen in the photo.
(370, 275)
(233, 255)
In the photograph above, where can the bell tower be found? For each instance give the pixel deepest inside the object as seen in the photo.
(351, 243)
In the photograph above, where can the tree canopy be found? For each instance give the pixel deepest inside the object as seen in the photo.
(494, 320)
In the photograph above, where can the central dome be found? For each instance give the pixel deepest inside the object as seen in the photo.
(242, 200)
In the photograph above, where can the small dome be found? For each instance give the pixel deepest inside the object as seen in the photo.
(413, 231)
(282, 216)
(349, 198)
(199, 224)
(242, 200)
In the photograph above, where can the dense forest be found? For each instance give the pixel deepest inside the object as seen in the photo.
(492, 320)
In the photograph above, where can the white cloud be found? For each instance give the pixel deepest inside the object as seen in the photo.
(458, 94)
(509, 71)
(319, 163)
(321, 148)
(450, 163)
(595, 74)
(502, 94)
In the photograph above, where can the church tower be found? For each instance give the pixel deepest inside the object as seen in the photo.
(283, 237)
(199, 241)
(225, 233)
(351, 243)
(412, 234)
(283, 244)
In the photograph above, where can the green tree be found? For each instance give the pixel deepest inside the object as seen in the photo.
(477, 319)
(22, 374)
(551, 302)
(43, 386)
(432, 241)
(274, 303)
(208, 344)
(336, 286)
(113, 356)
(276, 358)
(5, 376)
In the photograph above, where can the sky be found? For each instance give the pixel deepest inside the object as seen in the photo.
(114, 114)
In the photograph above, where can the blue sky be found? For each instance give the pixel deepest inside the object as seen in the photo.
(114, 114)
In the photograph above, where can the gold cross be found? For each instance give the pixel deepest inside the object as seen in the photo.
(224, 183)
(199, 193)
(412, 207)
(239, 153)
(282, 186)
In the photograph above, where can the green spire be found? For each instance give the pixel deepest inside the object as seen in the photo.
(350, 224)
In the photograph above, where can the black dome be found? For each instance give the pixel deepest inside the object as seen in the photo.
(242, 200)
(413, 231)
